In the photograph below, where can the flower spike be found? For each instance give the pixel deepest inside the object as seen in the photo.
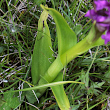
(101, 15)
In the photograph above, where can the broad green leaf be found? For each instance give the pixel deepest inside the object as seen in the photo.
(42, 53)
(60, 94)
(66, 37)
(14, 102)
(8, 96)
(5, 106)
(10, 101)
(30, 97)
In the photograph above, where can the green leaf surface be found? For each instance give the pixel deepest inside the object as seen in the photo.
(8, 96)
(5, 106)
(14, 102)
(66, 37)
(30, 97)
(42, 53)
(60, 94)
(10, 101)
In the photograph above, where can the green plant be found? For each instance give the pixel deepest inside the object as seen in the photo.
(45, 72)
(84, 78)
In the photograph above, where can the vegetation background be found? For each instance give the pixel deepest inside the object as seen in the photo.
(18, 30)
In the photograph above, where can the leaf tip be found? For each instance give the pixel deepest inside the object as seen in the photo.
(43, 7)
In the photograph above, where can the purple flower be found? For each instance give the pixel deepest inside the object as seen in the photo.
(101, 14)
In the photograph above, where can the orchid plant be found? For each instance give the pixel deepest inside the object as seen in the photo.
(45, 68)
